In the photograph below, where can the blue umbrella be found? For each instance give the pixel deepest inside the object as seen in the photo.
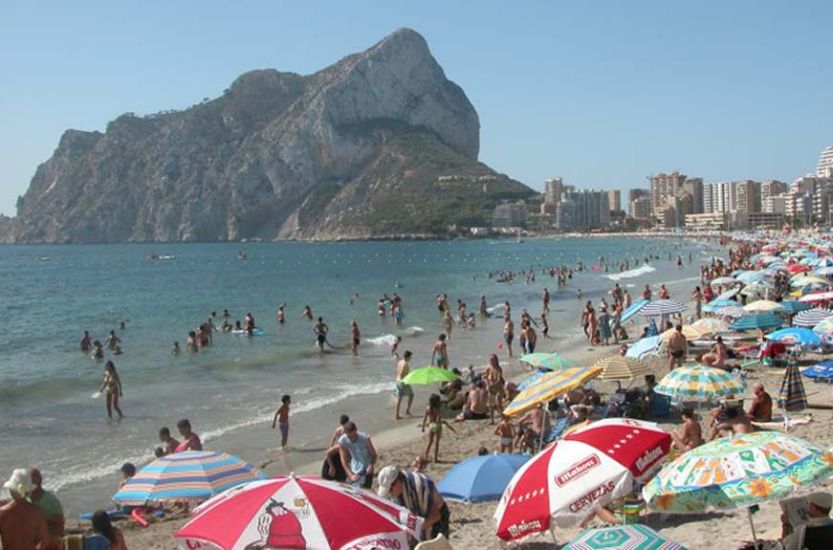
(532, 379)
(632, 310)
(791, 307)
(748, 277)
(760, 321)
(820, 371)
(480, 478)
(797, 336)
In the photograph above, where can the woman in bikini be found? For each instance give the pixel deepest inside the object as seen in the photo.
(433, 417)
(112, 384)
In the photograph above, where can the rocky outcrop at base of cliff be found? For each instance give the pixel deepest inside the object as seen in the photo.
(359, 149)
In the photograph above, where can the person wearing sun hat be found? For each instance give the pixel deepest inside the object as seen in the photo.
(417, 493)
(22, 526)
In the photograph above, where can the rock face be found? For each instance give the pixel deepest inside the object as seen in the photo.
(377, 144)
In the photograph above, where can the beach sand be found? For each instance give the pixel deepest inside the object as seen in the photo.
(473, 525)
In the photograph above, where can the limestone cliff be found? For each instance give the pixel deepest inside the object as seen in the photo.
(379, 143)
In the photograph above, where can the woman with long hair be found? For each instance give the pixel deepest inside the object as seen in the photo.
(112, 384)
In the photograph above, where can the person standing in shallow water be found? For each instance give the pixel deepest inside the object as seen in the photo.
(112, 385)
(355, 337)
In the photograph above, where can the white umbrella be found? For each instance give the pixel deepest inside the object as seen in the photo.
(662, 307)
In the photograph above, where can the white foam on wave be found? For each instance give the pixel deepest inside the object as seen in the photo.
(384, 340)
(414, 331)
(84, 473)
(495, 308)
(631, 273)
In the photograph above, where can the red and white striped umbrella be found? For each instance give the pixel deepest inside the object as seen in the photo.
(587, 469)
(303, 512)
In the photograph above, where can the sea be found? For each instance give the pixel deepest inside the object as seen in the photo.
(229, 391)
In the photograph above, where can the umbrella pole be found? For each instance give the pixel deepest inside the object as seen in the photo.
(552, 533)
(752, 526)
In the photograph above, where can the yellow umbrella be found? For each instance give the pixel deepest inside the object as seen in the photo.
(689, 332)
(617, 367)
(762, 305)
(550, 386)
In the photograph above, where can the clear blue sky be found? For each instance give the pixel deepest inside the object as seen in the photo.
(601, 93)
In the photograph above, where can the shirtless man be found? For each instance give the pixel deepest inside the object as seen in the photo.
(495, 384)
(403, 367)
(690, 434)
(307, 313)
(647, 293)
(531, 425)
(476, 404)
(22, 526)
(717, 356)
(439, 356)
(508, 334)
(676, 348)
(321, 329)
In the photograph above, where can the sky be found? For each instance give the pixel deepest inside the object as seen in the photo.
(601, 93)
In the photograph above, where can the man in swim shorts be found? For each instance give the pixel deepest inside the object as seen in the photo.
(282, 419)
(403, 367)
(439, 356)
(321, 330)
(676, 348)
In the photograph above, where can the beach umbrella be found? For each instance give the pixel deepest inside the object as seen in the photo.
(715, 305)
(796, 268)
(817, 297)
(757, 289)
(632, 310)
(759, 306)
(723, 281)
(802, 281)
(820, 371)
(645, 347)
(749, 277)
(586, 469)
(662, 307)
(531, 379)
(733, 311)
(188, 476)
(710, 325)
(736, 472)
(549, 361)
(824, 326)
(429, 375)
(818, 262)
(728, 294)
(758, 321)
(791, 307)
(480, 478)
(824, 271)
(699, 383)
(550, 386)
(302, 512)
(791, 396)
(811, 317)
(616, 367)
(795, 336)
(617, 537)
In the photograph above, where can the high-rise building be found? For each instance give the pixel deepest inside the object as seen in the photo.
(614, 199)
(825, 165)
(565, 215)
(748, 195)
(664, 186)
(553, 189)
(640, 208)
(694, 188)
(771, 188)
(591, 208)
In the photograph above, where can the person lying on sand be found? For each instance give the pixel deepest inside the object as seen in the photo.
(736, 423)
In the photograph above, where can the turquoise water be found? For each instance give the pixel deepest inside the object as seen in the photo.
(50, 294)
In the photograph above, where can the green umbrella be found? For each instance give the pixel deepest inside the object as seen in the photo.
(429, 375)
(636, 537)
(551, 361)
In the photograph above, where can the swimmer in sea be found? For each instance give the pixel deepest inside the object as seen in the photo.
(86, 342)
(175, 350)
(394, 349)
(307, 313)
(98, 350)
(321, 330)
(226, 314)
(281, 315)
(355, 337)
(112, 340)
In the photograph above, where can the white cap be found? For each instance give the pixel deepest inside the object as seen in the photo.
(20, 482)
(387, 476)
